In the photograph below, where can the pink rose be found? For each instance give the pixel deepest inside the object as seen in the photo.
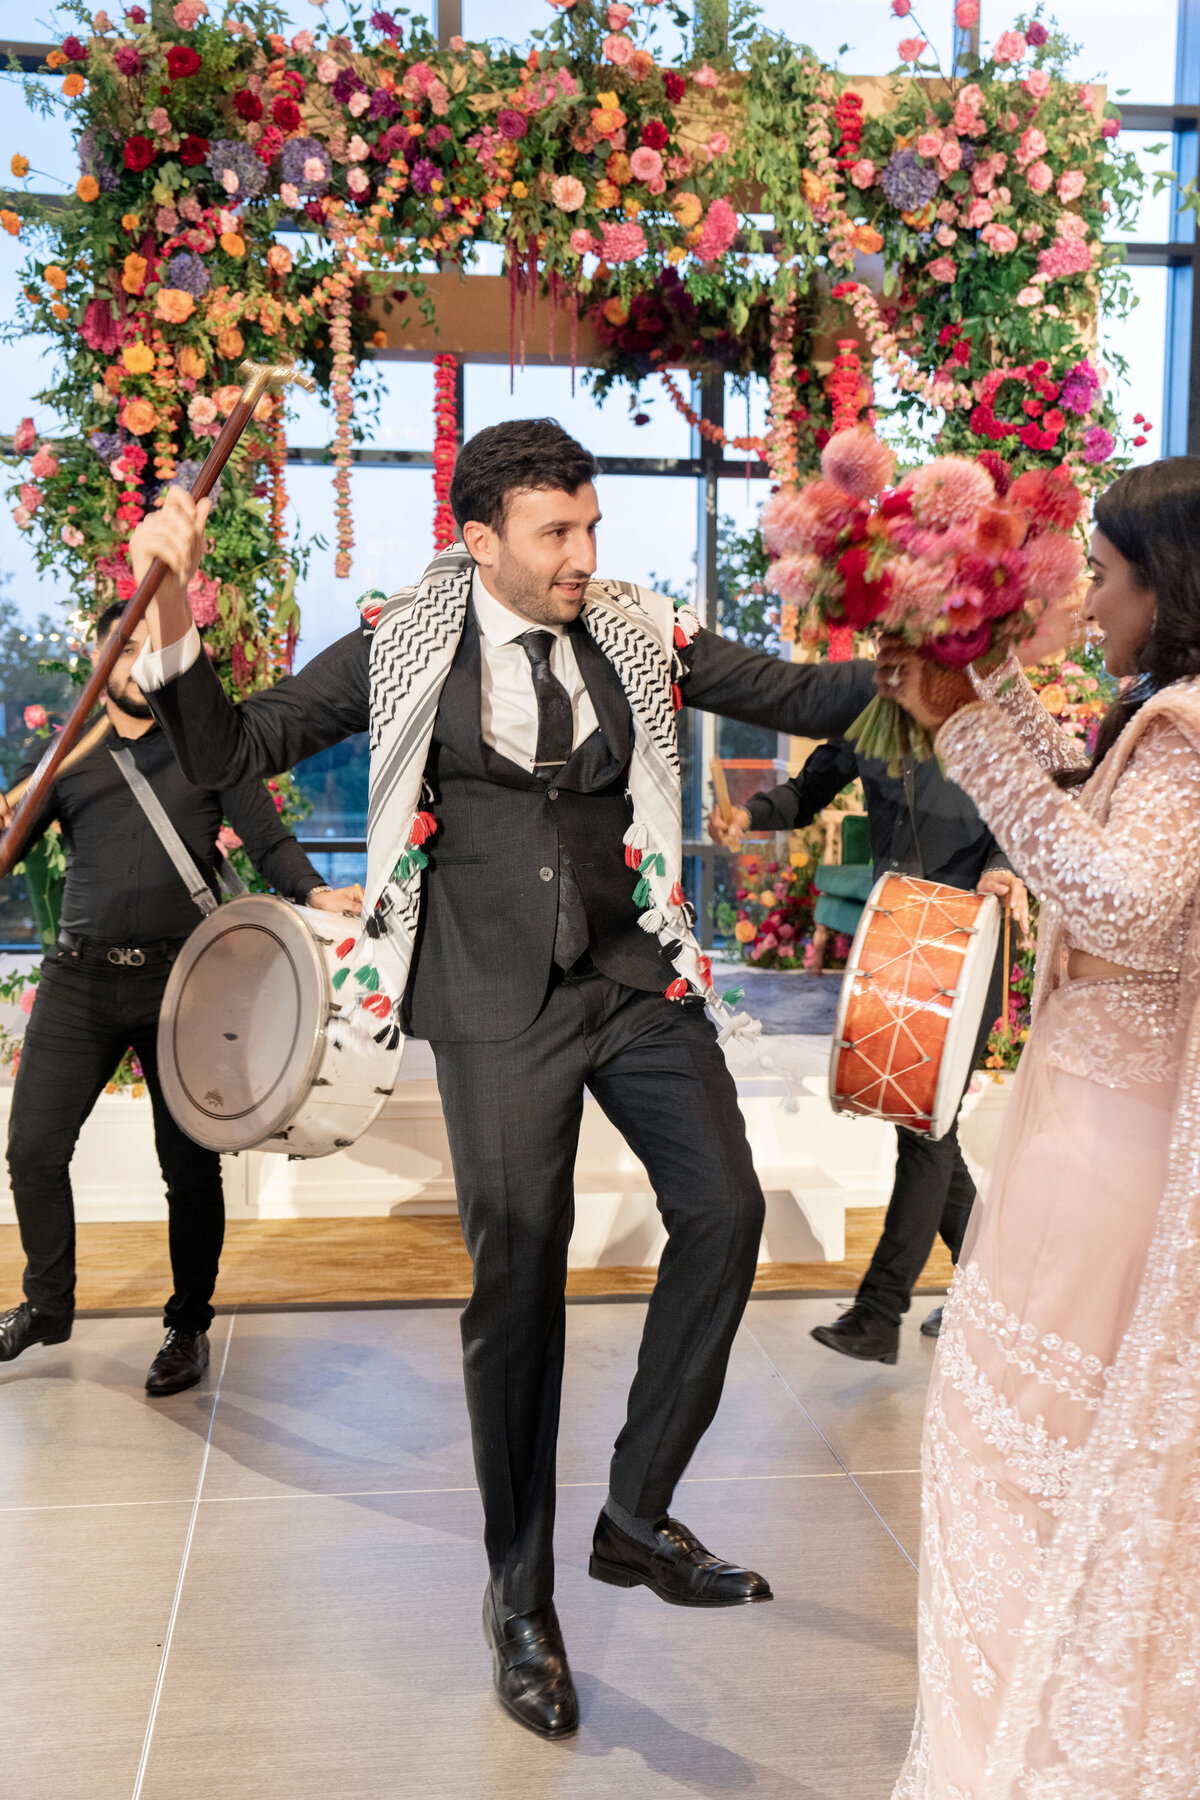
(978, 214)
(928, 144)
(569, 193)
(303, 42)
(1031, 234)
(1010, 47)
(983, 177)
(617, 48)
(1037, 83)
(314, 168)
(718, 143)
(706, 77)
(1040, 177)
(289, 194)
(35, 718)
(645, 163)
(619, 17)
(22, 517)
(358, 181)
(966, 14)
(583, 243)
(901, 8)
(942, 268)
(327, 70)
(357, 105)
(72, 536)
(909, 49)
(947, 212)
(1071, 226)
(188, 12)
(203, 591)
(999, 238)
(946, 235)
(1110, 128)
(1033, 145)
(24, 437)
(1071, 185)
(230, 180)
(159, 121)
(657, 184)
(863, 173)
(29, 496)
(43, 464)
(950, 155)
(971, 96)
(1029, 296)
(357, 150)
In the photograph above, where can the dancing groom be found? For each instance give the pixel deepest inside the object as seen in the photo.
(525, 915)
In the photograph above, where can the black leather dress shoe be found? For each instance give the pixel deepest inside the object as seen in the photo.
(25, 1325)
(530, 1671)
(863, 1334)
(678, 1569)
(179, 1364)
(932, 1326)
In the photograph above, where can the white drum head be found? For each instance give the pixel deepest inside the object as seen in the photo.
(242, 1028)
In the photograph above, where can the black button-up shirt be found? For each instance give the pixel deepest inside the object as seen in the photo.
(122, 887)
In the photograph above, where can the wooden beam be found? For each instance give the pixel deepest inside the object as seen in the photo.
(472, 321)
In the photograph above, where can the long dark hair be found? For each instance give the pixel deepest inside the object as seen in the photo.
(1151, 515)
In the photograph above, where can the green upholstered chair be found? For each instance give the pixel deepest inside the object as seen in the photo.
(843, 886)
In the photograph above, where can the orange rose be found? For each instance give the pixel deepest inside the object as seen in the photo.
(189, 361)
(866, 239)
(87, 187)
(112, 378)
(230, 342)
(138, 357)
(233, 244)
(56, 277)
(279, 258)
(139, 417)
(133, 273)
(744, 932)
(225, 399)
(174, 305)
(616, 311)
(73, 86)
(607, 194)
(10, 222)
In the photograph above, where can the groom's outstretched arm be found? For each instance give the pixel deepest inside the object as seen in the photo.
(817, 700)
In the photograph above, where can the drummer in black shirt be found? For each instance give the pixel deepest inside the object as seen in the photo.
(125, 915)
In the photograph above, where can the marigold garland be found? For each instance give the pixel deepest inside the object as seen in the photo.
(712, 434)
(445, 446)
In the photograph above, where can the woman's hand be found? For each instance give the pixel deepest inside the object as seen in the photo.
(1062, 627)
(728, 833)
(1007, 886)
(175, 534)
(925, 690)
(338, 900)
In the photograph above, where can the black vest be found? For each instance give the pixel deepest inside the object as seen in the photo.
(484, 953)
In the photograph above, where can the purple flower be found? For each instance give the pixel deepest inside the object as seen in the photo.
(127, 60)
(233, 156)
(424, 174)
(381, 21)
(908, 183)
(383, 105)
(1079, 389)
(1036, 34)
(185, 270)
(1098, 444)
(297, 152)
(106, 444)
(510, 123)
(347, 83)
(186, 473)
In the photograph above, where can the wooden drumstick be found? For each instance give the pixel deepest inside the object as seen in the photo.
(721, 790)
(1007, 950)
(260, 379)
(86, 744)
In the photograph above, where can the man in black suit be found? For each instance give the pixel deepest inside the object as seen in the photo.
(532, 977)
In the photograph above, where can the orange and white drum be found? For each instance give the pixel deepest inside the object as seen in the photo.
(912, 1002)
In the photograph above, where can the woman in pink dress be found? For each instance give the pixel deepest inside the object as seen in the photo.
(1059, 1621)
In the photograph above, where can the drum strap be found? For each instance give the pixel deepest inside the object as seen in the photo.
(172, 843)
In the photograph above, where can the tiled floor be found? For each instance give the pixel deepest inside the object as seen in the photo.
(268, 1588)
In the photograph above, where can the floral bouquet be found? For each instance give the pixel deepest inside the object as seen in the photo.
(956, 562)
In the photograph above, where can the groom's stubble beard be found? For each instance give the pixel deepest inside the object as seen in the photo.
(533, 595)
(123, 698)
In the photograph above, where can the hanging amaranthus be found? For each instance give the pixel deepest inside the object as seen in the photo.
(445, 446)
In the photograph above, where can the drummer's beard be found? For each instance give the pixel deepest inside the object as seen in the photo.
(542, 602)
(130, 700)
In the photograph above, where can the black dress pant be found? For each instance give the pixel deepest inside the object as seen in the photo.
(513, 1112)
(932, 1197)
(84, 1018)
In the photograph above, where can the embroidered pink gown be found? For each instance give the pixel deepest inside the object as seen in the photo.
(1059, 1614)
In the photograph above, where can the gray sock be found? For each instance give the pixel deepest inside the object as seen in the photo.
(642, 1530)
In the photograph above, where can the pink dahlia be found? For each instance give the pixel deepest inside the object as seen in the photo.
(718, 232)
(918, 591)
(949, 491)
(786, 523)
(858, 462)
(623, 243)
(645, 164)
(1054, 564)
(794, 578)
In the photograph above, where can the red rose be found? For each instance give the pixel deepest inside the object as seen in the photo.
(181, 60)
(863, 600)
(193, 150)
(655, 134)
(247, 105)
(139, 153)
(73, 50)
(286, 113)
(675, 85)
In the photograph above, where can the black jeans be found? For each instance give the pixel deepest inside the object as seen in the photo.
(83, 1020)
(513, 1112)
(932, 1197)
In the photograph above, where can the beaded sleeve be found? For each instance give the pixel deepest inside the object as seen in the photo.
(1122, 885)
(1045, 740)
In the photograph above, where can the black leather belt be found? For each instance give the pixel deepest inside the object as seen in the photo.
(119, 956)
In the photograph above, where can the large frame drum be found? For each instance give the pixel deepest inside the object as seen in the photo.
(911, 1003)
(246, 1055)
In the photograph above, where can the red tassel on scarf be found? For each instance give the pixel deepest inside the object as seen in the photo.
(345, 947)
(679, 989)
(379, 1004)
(423, 828)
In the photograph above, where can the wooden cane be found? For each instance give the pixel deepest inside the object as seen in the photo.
(721, 790)
(260, 378)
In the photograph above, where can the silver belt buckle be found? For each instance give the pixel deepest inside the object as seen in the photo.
(126, 958)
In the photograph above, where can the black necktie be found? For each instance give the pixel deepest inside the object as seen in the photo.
(556, 718)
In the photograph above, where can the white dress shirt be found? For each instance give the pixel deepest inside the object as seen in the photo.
(508, 712)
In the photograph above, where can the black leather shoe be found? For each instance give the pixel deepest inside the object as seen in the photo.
(863, 1334)
(932, 1326)
(25, 1325)
(678, 1569)
(179, 1364)
(530, 1671)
